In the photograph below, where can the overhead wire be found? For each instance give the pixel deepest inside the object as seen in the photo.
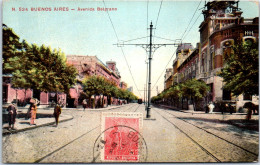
(134, 39)
(153, 32)
(181, 41)
(157, 19)
(158, 13)
(191, 26)
(164, 38)
(121, 48)
(191, 19)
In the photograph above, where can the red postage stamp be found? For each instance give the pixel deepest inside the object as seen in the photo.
(121, 136)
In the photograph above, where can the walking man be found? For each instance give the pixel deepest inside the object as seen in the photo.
(56, 114)
(12, 111)
(84, 104)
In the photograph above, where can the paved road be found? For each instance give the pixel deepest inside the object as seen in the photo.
(172, 137)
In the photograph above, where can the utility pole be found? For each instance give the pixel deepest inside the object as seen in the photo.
(148, 114)
(146, 82)
(144, 94)
(149, 48)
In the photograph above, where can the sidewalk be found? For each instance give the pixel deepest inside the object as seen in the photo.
(44, 118)
(236, 119)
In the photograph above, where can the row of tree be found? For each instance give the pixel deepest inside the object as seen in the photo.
(190, 89)
(44, 69)
(35, 67)
(240, 75)
(100, 86)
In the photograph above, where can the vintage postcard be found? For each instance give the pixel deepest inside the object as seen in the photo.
(120, 81)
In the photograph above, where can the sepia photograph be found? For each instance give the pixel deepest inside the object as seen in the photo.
(130, 81)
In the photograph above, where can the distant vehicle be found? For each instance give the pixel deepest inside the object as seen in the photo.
(140, 101)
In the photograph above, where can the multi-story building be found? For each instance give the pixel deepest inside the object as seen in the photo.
(130, 89)
(87, 66)
(188, 69)
(168, 78)
(182, 52)
(115, 76)
(123, 85)
(22, 96)
(223, 24)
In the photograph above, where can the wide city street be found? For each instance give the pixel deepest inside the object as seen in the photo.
(173, 136)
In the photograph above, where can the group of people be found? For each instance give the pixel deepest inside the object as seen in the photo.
(31, 113)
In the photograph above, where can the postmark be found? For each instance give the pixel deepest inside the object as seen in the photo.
(121, 139)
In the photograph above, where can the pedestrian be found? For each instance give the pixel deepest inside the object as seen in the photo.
(56, 114)
(207, 108)
(84, 104)
(12, 112)
(211, 107)
(33, 111)
(230, 108)
(250, 107)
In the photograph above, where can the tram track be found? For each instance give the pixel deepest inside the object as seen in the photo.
(214, 134)
(196, 140)
(78, 138)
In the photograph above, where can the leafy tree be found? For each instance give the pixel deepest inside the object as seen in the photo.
(38, 68)
(97, 85)
(194, 89)
(240, 72)
(43, 69)
(191, 89)
(11, 50)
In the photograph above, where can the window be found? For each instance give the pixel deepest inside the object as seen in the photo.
(227, 49)
(211, 59)
(202, 63)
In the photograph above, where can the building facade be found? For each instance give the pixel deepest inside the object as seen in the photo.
(88, 66)
(85, 65)
(123, 85)
(222, 26)
(168, 78)
(130, 89)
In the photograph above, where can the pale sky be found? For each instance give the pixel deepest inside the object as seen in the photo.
(91, 32)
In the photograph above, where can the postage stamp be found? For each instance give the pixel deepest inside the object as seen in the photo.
(121, 138)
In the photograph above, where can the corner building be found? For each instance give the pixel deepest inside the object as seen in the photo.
(88, 66)
(222, 26)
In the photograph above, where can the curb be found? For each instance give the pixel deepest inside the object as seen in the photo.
(51, 123)
(107, 108)
(37, 126)
(254, 127)
(97, 109)
(196, 112)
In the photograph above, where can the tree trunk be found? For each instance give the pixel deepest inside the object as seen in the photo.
(89, 101)
(194, 105)
(94, 102)
(102, 102)
(181, 103)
